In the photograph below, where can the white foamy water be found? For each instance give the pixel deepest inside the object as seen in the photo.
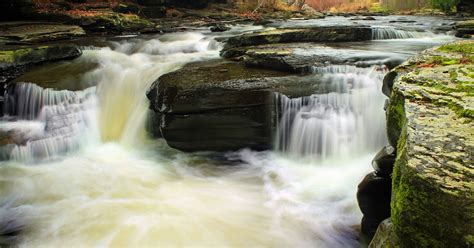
(345, 118)
(390, 33)
(87, 176)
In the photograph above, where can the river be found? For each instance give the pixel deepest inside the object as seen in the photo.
(87, 175)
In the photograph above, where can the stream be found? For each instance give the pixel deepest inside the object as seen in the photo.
(87, 175)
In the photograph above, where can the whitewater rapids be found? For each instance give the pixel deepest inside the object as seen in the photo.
(85, 174)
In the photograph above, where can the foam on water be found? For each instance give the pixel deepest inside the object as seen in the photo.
(346, 118)
(389, 33)
(113, 111)
(86, 176)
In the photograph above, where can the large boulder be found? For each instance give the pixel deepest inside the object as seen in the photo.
(430, 118)
(220, 105)
(373, 196)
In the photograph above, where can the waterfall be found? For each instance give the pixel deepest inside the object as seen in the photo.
(50, 122)
(44, 123)
(344, 117)
(26, 100)
(390, 33)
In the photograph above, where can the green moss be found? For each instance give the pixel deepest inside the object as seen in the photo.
(13, 55)
(465, 48)
(395, 117)
(419, 208)
(7, 56)
(431, 202)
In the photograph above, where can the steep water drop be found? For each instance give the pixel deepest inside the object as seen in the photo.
(112, 109)
(52, 122)
(132, 68)
(344, 118)
(390, 33)
(112, 192)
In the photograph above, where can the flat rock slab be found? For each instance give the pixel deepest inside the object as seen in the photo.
(221, 105)
(430, 120)
(14, 61)
(304, 57)
(39, 31)
(312, 34)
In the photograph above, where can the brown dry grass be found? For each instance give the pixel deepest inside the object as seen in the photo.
(341, 5)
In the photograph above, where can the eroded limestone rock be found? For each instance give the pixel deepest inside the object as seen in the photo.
(430, 119)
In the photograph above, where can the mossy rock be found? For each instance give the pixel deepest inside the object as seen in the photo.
(430, 119)
(15, 61)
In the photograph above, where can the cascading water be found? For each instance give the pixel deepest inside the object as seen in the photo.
(84, 175)
(389, 33)
(343, 119)
(53, 122)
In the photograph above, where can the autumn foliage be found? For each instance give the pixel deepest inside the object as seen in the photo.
(340, 5)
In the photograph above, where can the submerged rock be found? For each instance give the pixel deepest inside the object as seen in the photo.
(430, 118)
(219, 28)
(363, 18)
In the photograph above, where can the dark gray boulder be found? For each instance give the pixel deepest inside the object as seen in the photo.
(373, 196)
(219, 28)
(221, 105)
(384, 161)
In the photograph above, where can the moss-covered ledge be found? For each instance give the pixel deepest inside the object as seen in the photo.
(430, 118)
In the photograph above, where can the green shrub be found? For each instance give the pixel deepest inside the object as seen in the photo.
(445, 5)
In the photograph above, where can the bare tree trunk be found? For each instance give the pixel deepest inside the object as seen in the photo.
(259, 5)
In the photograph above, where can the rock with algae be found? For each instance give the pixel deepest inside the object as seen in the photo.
(430, 119)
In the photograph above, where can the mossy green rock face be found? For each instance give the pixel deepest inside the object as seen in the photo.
(430, 117)
(15, 61)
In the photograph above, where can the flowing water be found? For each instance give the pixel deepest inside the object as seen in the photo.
(85, 174)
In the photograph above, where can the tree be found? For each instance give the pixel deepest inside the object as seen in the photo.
(445, 5)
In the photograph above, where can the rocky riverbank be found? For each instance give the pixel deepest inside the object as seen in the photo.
(429, 120)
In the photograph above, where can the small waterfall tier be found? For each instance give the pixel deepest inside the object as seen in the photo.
(390, 33)
(344, 117)
(48, 122)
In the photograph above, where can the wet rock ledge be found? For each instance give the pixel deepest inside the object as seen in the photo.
(430, 121)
